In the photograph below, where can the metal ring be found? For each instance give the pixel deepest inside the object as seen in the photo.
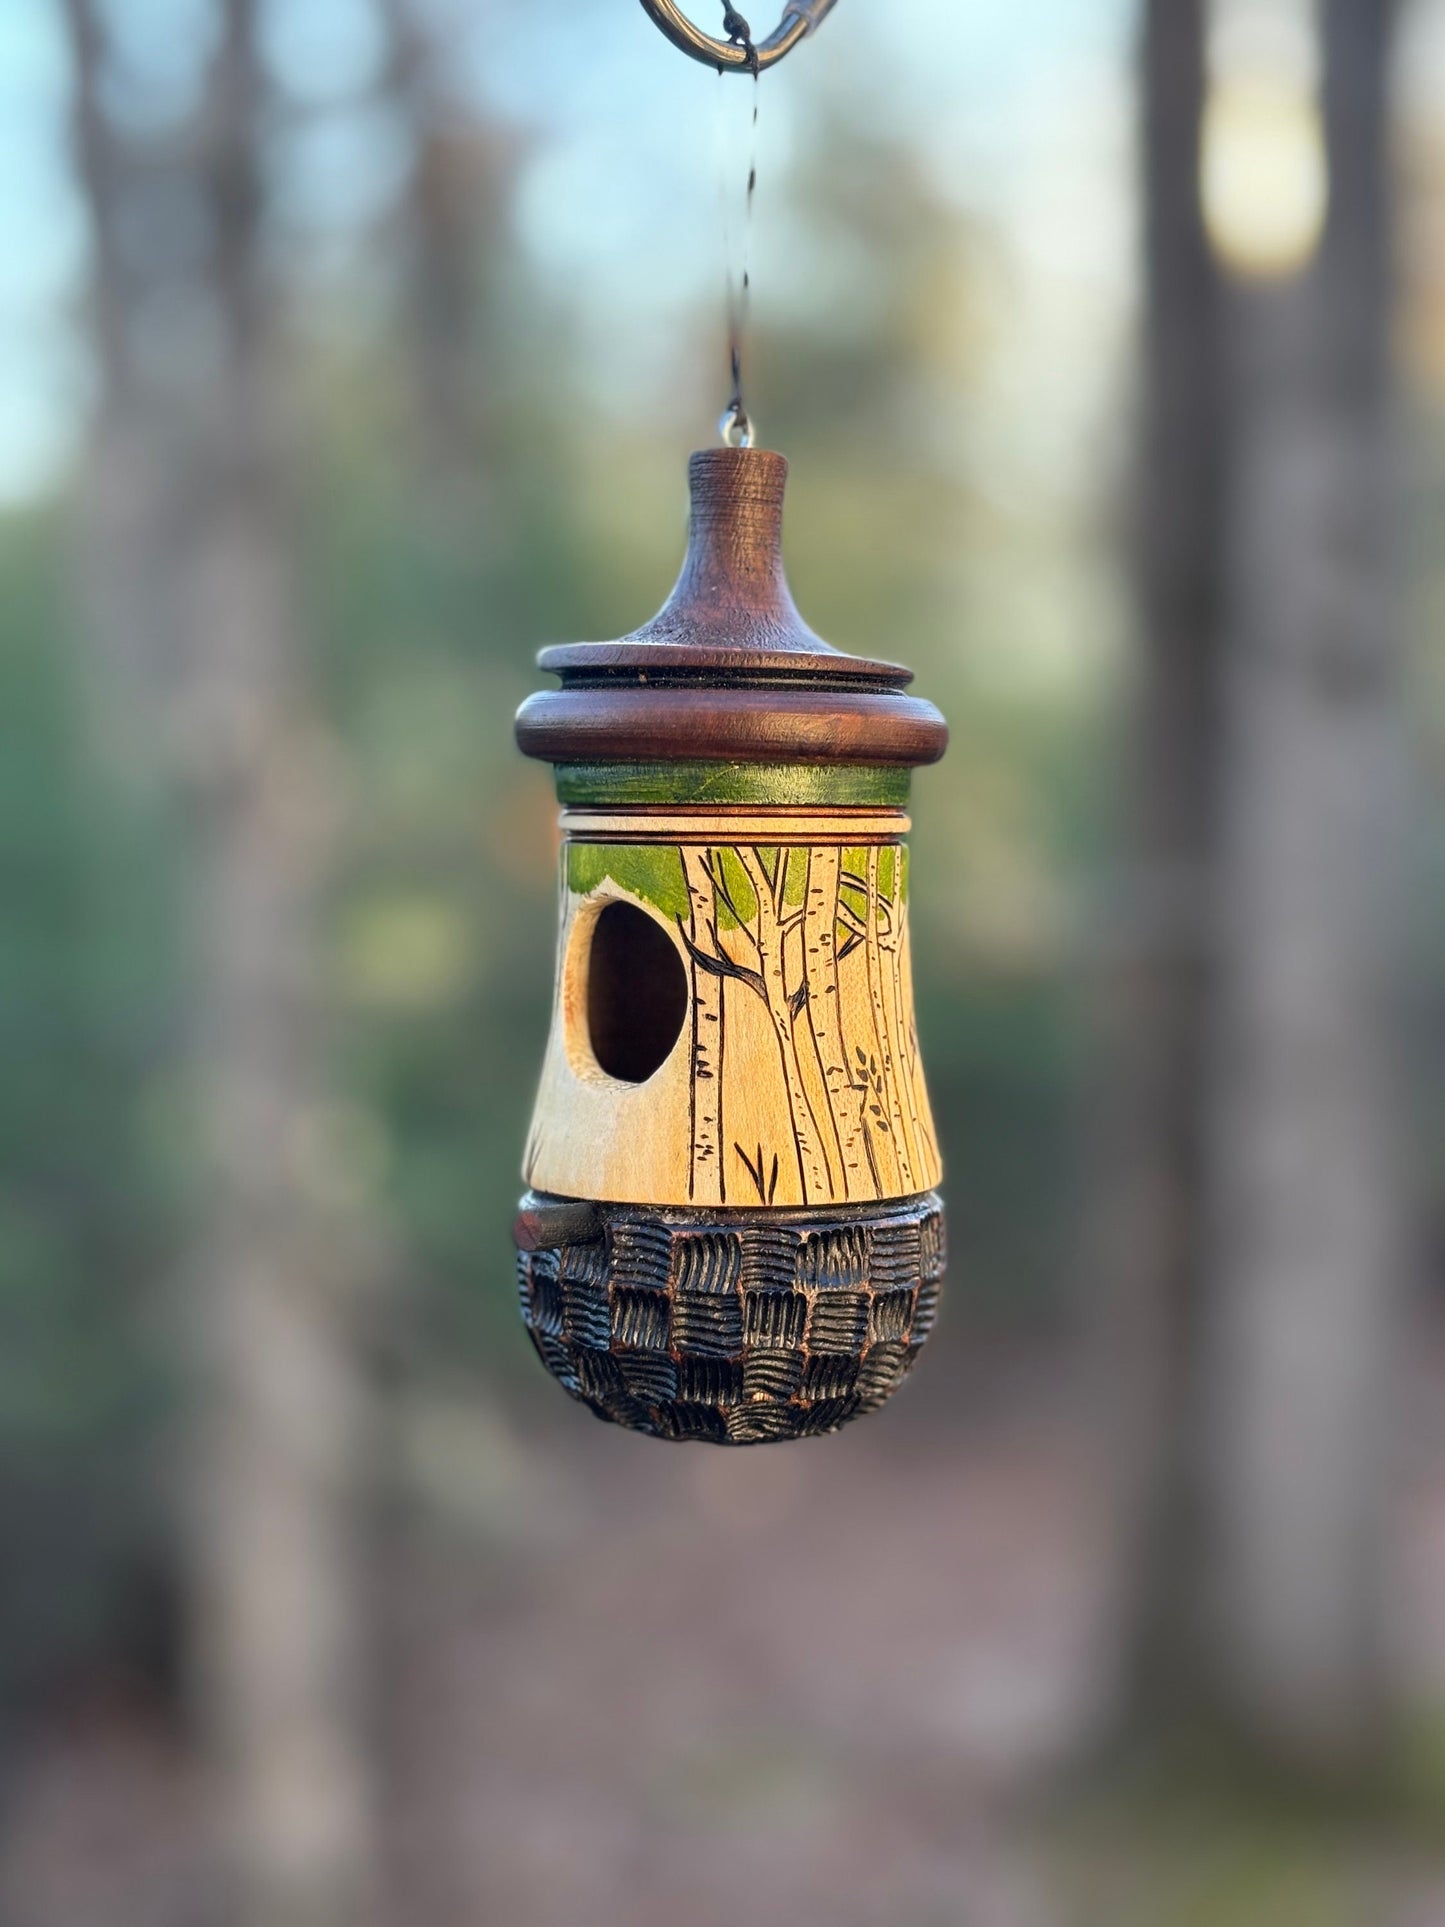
(800, 18)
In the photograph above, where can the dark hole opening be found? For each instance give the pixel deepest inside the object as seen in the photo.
(636, 994)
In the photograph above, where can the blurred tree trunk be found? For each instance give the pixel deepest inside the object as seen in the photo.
(123, 500)
(1154, 1190)
(1259, 1240)
(1307, 1212)
(276, 1503)
(448, 193)
(188, 570)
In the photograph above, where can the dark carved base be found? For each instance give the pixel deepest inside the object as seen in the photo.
(737, 1327)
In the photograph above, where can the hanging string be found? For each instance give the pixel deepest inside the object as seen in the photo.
(741, 35)
(736, 426)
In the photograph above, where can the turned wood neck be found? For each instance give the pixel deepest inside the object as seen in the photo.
(733, 588)
(731, 618)
(728, 670)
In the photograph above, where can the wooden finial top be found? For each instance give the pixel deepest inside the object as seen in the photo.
(728, 670)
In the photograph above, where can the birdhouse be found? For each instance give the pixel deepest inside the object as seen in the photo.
(732, 1231)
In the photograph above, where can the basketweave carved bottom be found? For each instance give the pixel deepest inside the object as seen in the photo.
(736, 1328)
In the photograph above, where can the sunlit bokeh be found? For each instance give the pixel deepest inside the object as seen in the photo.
(1265, 181)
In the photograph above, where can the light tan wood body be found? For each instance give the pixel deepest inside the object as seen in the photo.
(796, 1079)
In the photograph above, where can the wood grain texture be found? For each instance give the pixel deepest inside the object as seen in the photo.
(728, 671)
(732, 823)
(732, 1232)
(731, 608)
(797, 1078)
(732, 725)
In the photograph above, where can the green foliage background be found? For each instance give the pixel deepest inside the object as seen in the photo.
(423, 598)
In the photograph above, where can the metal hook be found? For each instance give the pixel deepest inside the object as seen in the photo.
(799, 19)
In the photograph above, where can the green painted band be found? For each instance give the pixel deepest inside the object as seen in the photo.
(801, 784)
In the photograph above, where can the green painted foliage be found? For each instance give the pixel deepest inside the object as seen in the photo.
(653, 872)
(737, 902)
(649, 871)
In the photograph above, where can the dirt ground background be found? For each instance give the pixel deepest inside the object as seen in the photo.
(855, 1681)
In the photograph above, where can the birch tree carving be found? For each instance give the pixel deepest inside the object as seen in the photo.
(889, 911)
(781, 922)
(824, 1004)
(707, 1180)
(766, 935)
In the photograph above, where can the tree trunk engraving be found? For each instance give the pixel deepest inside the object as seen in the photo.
(707, 1180)
(819, 916)
(882, 1107)
(820, 965)
(813, 1168)
(890, 944)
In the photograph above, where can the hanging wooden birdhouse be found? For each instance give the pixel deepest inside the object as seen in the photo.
(732, 1231)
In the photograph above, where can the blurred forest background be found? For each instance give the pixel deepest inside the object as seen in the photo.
(349, 351)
